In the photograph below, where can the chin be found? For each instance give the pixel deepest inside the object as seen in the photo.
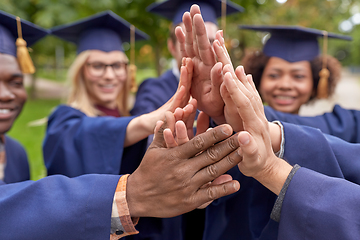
(4, 128)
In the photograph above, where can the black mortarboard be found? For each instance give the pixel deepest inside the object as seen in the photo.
(9, 33)
(293, 43)
(104, 31)
(210, 9)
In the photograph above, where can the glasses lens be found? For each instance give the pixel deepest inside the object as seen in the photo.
(96, 69)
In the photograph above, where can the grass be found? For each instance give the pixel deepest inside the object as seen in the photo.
(31, 135)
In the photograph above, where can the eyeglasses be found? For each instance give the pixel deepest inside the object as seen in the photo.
(97, 69)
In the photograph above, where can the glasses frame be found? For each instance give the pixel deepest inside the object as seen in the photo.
(105, 66)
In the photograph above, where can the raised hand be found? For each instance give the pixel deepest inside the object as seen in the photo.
(259, 160)
(194, 43)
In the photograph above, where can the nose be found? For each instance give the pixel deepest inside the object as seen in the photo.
(5, 93)
(285, 83)
(109, 72)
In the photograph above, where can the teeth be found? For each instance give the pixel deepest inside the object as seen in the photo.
(284, 97)
(108, 86)
(4, 111)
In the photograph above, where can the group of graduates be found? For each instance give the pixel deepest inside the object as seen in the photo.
(171, 168)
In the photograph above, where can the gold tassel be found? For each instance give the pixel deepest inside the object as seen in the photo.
(23, 56)
(322, 89)
(132, 67)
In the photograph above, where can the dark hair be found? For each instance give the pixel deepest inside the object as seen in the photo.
(254, 63)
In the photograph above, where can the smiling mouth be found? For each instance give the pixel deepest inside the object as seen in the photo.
(5, 110)
(107, 86)
(284, 97)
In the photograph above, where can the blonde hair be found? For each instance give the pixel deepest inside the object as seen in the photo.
(79, 97)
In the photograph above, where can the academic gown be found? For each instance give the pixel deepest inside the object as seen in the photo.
(154, 92)
(316, 206)
(57, 207)
(246, 214)
(17, 165)
(76, 144)
(341, 122)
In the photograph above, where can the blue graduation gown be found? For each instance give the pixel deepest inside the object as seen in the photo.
(57, 207)
(340, 122)
(320, 207)
(76, 144)
(246, 214)
(154, 92)
(17, 165)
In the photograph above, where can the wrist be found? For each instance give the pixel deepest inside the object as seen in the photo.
(274, 175)
(275, 135)
(136, 208)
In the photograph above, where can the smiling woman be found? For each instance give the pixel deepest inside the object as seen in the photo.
(287, 71)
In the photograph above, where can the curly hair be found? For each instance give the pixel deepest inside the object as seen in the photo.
(254, 63)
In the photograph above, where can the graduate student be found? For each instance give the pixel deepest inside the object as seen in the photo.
(325, 206)
(94, 132)
(154, 92)
(290, 70)
(247, 213)
(167, 183)
(14, 165)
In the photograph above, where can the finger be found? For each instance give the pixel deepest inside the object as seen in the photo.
(180, 35)
(211, 161)
(181, 133)
(249, 151)
(206, 52)
(189, 65)
(189, 117)
(211, 193)
(169, 138)
(243, 104)
(221, 53)
(189, 44)
(194, 9)
(203, 122)
(180, 99)
(170, 120)
(178, 114)
(218, 181)
(216, 81)
(203, 141)
(158, 125)
(258, 99)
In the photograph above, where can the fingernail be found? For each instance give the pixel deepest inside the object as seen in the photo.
(236, 186)
(225, 130)
(244, 139)
(242, 70)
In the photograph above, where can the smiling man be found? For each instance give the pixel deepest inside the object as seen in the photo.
(14, 165)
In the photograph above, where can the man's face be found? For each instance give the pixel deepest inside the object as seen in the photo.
(211, 29)
(12, 92)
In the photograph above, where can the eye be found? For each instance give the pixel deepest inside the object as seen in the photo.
(273, 75)
(97, 65)
(16, 82)
(117, 66)
(299, 76)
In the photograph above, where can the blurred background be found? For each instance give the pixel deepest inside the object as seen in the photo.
(52, 56)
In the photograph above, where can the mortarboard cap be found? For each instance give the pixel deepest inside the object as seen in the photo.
(293, 43)
(210, 9)
(104, 31)
(9, 33)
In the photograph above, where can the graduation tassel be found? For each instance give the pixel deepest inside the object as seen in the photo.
(132, 67)
(23, 56)
(322, 90)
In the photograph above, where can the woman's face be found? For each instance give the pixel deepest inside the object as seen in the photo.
(285, 86)
(105, 76)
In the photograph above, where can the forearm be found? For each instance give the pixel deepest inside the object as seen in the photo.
(139, 128)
